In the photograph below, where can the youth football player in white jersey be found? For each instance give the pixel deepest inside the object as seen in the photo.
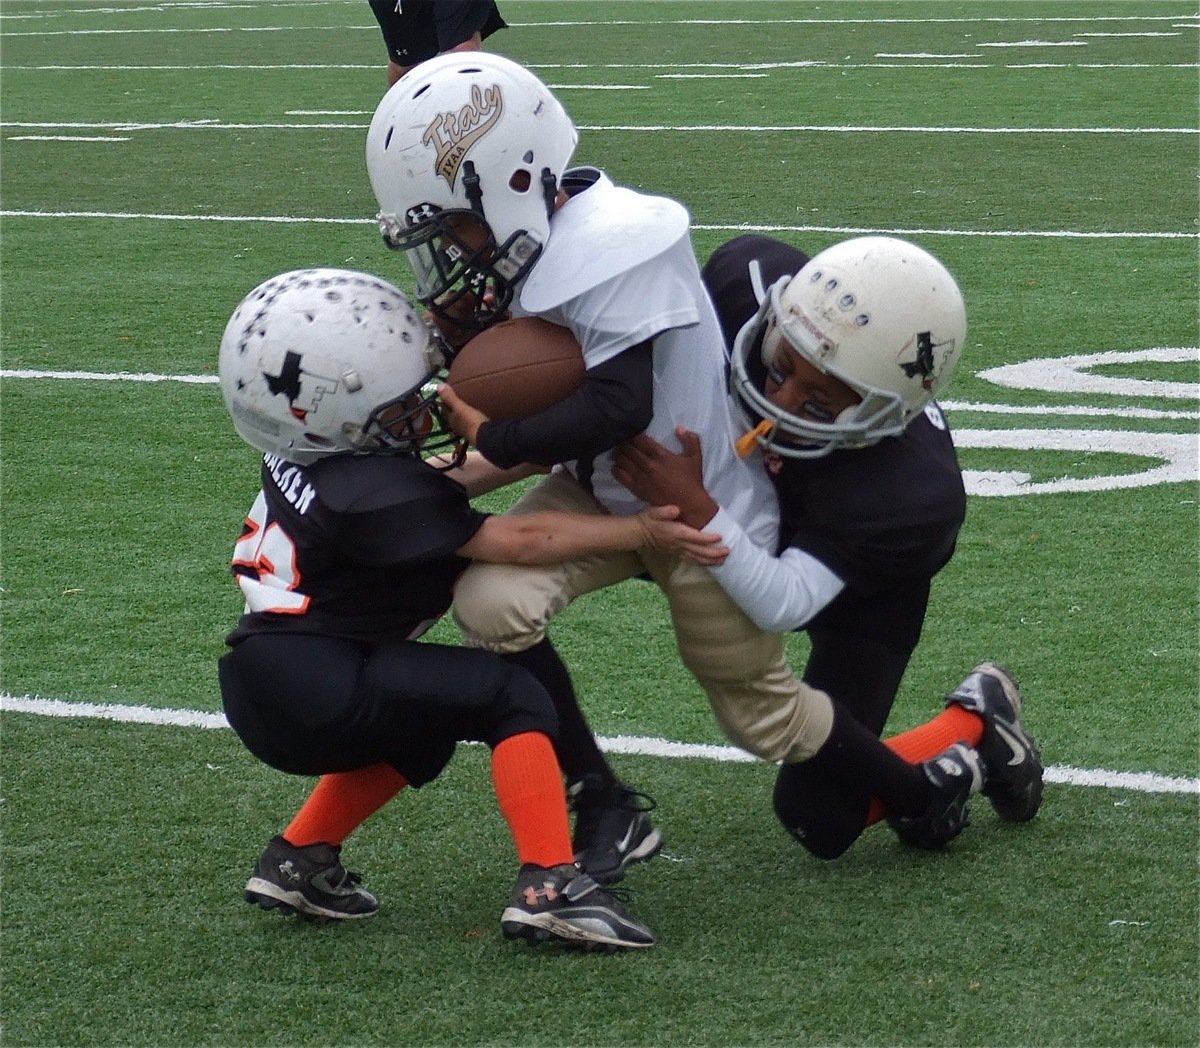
(468, 157)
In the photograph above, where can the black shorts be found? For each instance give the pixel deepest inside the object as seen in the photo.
(424, 28)
(310, 705)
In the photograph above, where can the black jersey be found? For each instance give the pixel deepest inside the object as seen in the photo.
(876, 516)
(361, 547)
(884, 518)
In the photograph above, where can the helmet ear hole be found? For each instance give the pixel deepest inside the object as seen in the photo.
(520, 181)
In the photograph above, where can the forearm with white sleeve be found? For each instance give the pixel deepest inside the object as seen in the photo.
(777, 593)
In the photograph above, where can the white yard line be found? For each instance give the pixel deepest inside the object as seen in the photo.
(1080, 410)
(912, 62)
(1139, 782)
(717, 23)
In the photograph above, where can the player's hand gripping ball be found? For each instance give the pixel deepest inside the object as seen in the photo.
(517, 368)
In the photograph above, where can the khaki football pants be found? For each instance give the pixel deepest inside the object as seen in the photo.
(758, 701)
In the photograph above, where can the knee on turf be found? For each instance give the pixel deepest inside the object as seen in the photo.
(826, 829)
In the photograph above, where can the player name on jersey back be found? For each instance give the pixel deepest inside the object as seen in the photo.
(292, 484)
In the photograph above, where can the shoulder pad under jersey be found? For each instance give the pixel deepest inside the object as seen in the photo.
(598, 235)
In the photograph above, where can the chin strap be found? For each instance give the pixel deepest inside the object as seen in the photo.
(749, 441)
(440, 462)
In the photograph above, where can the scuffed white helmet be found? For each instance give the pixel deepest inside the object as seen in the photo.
(880, 314)
(466, 153)
(322, 362)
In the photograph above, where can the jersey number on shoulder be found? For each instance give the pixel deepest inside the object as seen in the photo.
(264, 560)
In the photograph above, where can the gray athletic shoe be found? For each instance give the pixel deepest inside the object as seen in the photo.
(956, 773)
(1011, 760)
(565, 904)
(311, 881)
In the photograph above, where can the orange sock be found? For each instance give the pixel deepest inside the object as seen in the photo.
(953, 724)
(529, 788)
(341, 802)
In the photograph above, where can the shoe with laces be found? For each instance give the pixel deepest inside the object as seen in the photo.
(956, 774)
(568, 906)
(612, 830)
(1011, 759)
(311, 881)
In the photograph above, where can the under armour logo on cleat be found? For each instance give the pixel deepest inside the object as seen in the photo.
(950, 766)
(288, 872)
(532, 894)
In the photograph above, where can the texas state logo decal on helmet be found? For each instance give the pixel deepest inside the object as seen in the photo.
(926, 359)
(318, 362)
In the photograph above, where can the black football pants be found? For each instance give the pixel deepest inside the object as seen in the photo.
(309, 705)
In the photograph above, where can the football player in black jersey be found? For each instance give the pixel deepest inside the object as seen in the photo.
(834, 364)
(349, 554)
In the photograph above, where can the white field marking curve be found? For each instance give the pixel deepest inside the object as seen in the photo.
(1071, 374)
(1140, 782)
(740, 227)
(1177, 456)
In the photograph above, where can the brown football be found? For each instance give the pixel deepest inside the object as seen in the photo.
(517, 368)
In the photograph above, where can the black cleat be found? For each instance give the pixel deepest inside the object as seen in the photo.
(1011, 759)
(956, 773)
(311, 881)
(612, 830)
(566, 905)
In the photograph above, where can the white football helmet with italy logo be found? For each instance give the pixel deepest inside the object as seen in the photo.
(466, 153)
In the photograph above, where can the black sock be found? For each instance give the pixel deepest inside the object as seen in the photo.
(854, 757)
(576, 746)
(824, 801)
